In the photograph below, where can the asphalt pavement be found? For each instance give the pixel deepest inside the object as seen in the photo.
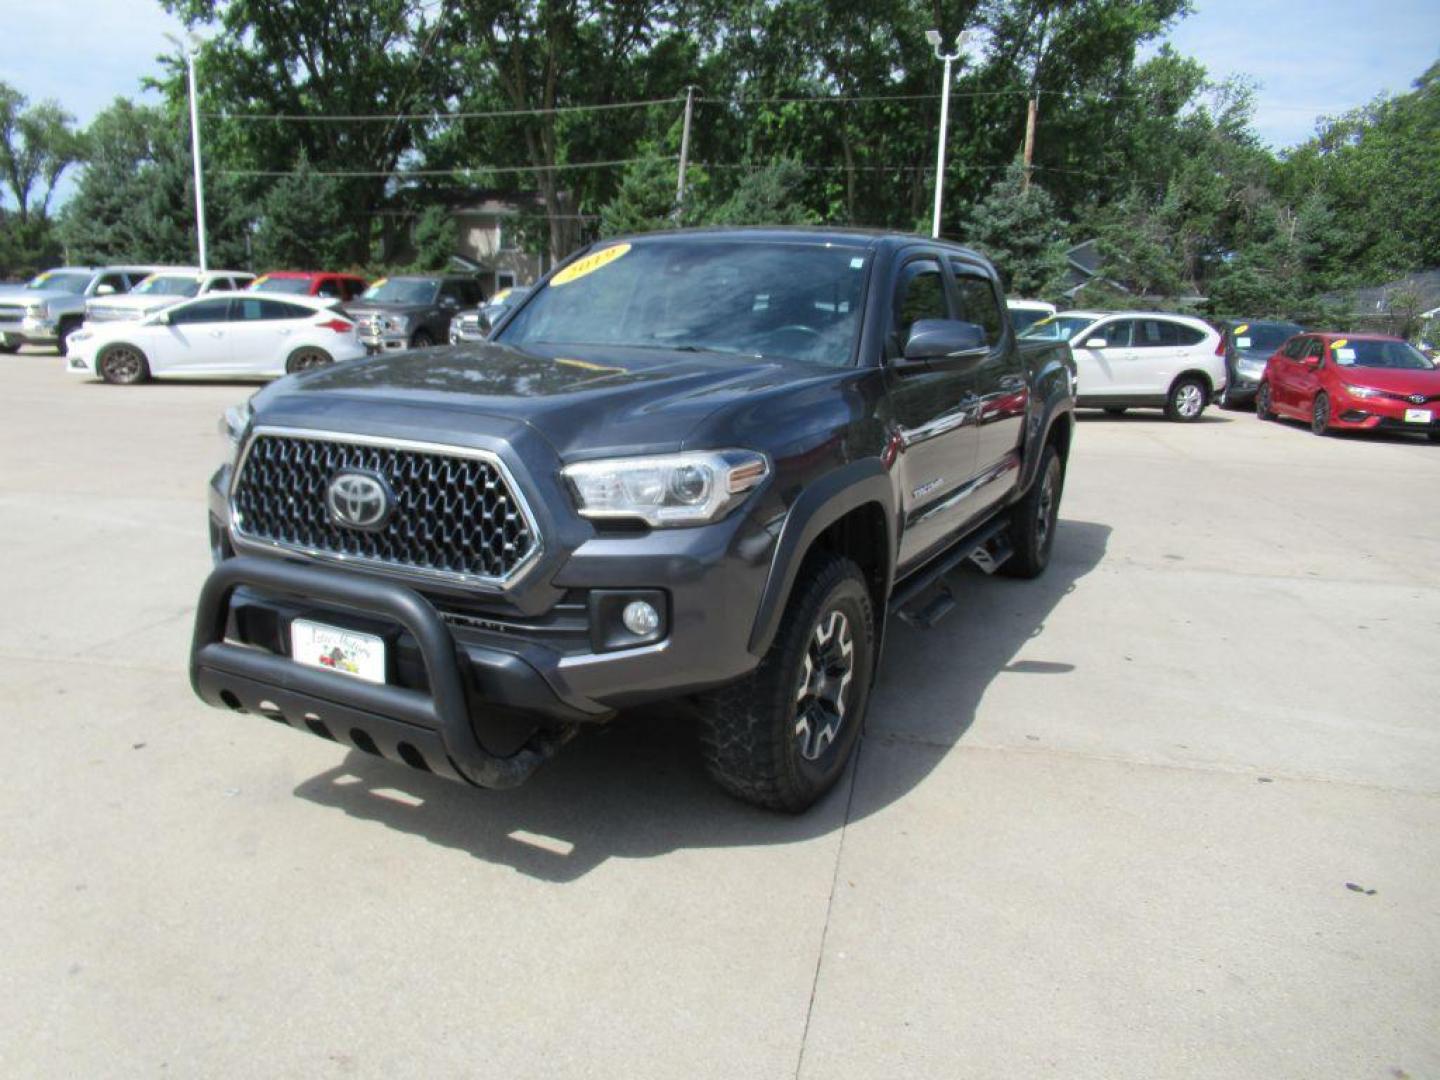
(1169, 811)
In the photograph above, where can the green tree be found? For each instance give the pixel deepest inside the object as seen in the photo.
(303, 223)
(1019, 229)
(38, 144)
(767, 195)
(436, 239)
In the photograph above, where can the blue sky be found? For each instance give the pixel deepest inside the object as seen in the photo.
(1310, 58)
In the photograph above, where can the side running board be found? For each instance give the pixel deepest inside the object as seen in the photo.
(926, 597)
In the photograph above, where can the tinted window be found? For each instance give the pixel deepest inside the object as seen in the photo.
(202, 311)
(328, 287)
(299, 286)
(919, 295)
(1314, 347)
(978, 302)
(1189, 335)
(253, 309)
(118, 282)
(1379, 354)
(1116, 334)
(1294, 347)
(451, 294)
(1152, 334)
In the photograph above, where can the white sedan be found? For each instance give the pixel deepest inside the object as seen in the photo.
(218, 337)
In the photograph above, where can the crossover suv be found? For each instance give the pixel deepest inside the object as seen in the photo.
(1142, 359)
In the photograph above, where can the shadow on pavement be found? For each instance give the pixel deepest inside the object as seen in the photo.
(1156, 415)
(636, 788)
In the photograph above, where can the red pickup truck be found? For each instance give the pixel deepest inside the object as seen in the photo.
(310, 283)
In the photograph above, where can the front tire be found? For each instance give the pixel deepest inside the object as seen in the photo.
(1320, 414)
(306, 358)
(1264, 410)
(1034, 518)
(122, 365)
(781, 737)
(1187, 400)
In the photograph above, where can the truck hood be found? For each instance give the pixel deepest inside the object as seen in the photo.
(371, 307)
(21, 295)
(586, 401)
(131, 302)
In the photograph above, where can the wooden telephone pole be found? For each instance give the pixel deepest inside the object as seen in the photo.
(1030, 135)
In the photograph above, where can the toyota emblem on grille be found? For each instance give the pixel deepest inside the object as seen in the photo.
(359, 500)
(1418, 399)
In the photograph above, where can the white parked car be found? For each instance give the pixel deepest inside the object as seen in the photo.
(1025, 313)
(162, 289)
(223, 336)
(1141, 360)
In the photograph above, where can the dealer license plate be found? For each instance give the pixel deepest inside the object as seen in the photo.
(1418, 416)
(329, 647)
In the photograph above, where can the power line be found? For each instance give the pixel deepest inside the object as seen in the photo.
(404, 173)
(493, 114)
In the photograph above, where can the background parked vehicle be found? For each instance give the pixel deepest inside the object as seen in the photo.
(218, 337)
(412, 312)
(476, 324)
(1352, 382)
(1026, 313)
(1142, 360)
(1249, 344)
(51, 307)
(161, 290)
(343, 287)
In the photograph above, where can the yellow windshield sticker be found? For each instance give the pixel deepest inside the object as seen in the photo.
(377, 284)
(1242, 328)
(260, 280)
(499, 296)
(1045, 321)
(589, 264)
(40, 279)
(1339, 343)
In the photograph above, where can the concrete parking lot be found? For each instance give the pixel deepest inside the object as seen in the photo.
(1169, 811)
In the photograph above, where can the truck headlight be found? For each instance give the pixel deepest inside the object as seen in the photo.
(233, 425)
(690, 488)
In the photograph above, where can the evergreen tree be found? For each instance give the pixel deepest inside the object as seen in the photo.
(645, 200)
(1021, 232)
(436, 239)
(303, 223)
(767, 195)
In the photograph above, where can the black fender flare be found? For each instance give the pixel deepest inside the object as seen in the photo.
(819, 506)
(1057, 410)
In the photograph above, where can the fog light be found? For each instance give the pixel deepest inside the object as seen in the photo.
(640, 618)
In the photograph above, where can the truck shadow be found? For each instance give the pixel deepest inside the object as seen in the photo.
(636, 788)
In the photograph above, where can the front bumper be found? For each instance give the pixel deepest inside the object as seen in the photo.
(1369, 414)
(390, 341)
(30, 332)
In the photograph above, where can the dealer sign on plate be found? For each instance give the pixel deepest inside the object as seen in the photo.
(350, 653)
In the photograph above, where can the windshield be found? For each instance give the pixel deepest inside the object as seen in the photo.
(402, 291)
(297, 286)
(793, 301)
(1379, 354)
(60, 282)
(168, 285)
(1058, 327)
(1263, 337)
(1022, 318)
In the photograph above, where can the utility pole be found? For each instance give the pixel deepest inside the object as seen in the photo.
(933, 36)
(684, 149)
(1030, 136)
(189, 47)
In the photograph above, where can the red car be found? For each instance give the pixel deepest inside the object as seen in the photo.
(1352, 382)
(310, 283)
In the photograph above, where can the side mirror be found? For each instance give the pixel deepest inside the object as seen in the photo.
(942, 340)
(1311, 362)
(1095, 343)
(160, 318)
(449, 302)
(104, 290)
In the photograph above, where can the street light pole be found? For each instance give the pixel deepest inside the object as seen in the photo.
(933, 36)
(189, 47)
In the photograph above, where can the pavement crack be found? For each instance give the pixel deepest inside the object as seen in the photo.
(830, 904)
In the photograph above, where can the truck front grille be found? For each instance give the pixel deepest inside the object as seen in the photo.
(455, 513)
(100, 314)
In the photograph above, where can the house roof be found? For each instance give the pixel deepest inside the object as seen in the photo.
(1376, 299)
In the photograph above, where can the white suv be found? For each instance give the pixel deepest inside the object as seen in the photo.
(1144, 359)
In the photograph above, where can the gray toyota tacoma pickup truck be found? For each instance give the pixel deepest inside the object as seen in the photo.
(705, 465)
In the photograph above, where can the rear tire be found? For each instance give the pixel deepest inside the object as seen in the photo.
(1034, 518)
(1187, 400)
(306, 358)
(1433, 436)
(781, 737)
(1320, 414)
(1263, 409)
(122, 365)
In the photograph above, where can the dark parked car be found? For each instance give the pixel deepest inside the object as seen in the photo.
(705, 464)
(1248, 344)
(411, 312)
